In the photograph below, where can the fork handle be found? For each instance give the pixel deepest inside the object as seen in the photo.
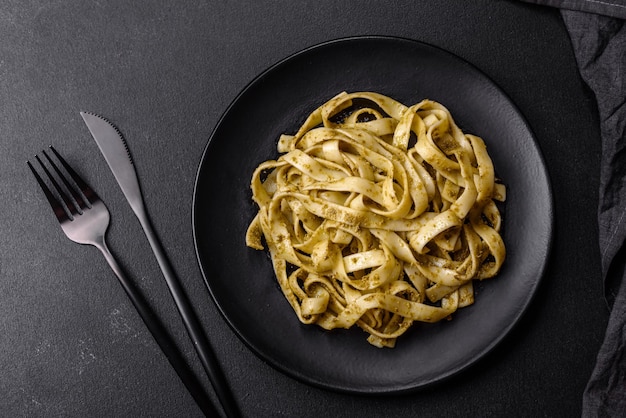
(161, 336)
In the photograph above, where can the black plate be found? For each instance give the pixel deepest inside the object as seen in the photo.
(241, 280)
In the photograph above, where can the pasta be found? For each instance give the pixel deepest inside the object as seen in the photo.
(377, 215)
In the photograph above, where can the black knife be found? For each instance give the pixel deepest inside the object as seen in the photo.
(115, 150)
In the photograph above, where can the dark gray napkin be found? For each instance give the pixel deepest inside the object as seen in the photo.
(597, 30)
(612, 8)
(599, 44)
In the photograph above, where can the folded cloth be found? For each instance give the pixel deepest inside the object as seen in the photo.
(599, 44)
(597, 30)
(613, 8)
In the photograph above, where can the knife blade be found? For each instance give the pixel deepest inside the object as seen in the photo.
(115, 150)
(117, 155)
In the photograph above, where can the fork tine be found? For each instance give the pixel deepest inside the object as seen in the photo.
(57, 207)
(76, 195)
(68, 203)
(87, 191)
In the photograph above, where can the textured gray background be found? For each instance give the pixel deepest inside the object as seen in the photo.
(72, 345)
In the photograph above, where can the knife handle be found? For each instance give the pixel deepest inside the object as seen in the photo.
(192, 324)
(160, 335)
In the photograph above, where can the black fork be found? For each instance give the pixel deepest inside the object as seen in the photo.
(84, 218)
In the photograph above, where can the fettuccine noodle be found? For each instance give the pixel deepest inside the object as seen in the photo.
(378, 215)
